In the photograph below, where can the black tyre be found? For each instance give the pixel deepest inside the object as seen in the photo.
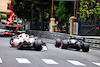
(64, 44)
(11, 42)
(85, 47)
(38, 45)
(20, 46)
(58, 43)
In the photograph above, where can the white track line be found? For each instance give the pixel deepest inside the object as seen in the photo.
(76, 62)
(1, 61)
(22, 60)
(98, 64)
(49, 61)
(44, 48)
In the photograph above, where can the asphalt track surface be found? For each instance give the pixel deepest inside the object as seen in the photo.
(53, 57)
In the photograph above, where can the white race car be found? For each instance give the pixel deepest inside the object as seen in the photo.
(72, 42)
(24, 40)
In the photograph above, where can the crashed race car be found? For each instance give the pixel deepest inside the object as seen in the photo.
(25, 41)
(72, 42)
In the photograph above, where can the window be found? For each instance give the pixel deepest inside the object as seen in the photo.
(7, 5)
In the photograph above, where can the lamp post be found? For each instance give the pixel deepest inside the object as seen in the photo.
(52, 9)
(74, 8)
(31, 16)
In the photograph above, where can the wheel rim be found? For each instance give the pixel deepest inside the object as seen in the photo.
(11, 41)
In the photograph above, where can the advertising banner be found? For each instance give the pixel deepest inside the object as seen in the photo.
(75, 28)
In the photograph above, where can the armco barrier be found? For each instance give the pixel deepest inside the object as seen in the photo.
(94, 41)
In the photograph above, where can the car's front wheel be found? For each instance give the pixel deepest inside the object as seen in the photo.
(85, 47)
(38, 45)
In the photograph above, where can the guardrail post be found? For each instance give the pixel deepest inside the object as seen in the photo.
(52, 24)
(71, 24)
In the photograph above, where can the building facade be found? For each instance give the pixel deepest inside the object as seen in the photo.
(4, 8)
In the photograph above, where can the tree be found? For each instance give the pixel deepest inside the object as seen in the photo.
(89, 9)
(63, 12)
(42, 6)
(3, 17)
(42, 9)
(23, 8)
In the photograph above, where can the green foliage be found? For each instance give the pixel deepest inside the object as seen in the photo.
(3, 17)
(23, 8)
(89, 9)
(46, 16)
(60, 12)
(64, 12)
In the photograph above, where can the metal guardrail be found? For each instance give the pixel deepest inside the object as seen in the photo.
(94, 42)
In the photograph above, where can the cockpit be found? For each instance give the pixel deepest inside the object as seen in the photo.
(23, 35)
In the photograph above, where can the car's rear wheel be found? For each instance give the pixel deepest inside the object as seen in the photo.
(85, 47)
(64, 44)
(11, 42)
(58, 43)
(38, 45)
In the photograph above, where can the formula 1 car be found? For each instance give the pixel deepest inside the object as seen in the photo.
(7, 33)
(72, 42)
(25, 41)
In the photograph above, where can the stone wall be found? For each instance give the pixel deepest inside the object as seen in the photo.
(47, 34)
